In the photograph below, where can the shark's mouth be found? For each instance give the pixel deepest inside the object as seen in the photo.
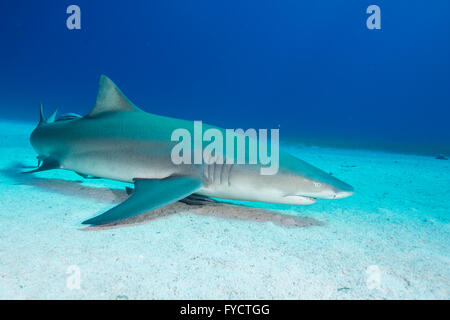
(300, 199)
(308, 198)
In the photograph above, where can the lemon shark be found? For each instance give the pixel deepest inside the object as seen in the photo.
(119, 141)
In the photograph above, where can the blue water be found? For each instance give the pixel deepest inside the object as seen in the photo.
(311, 68)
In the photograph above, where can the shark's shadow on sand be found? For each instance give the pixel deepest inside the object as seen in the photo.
(111, 196)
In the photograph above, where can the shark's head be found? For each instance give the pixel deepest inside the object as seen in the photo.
(296, 182)
(302, 183)
(322, 186)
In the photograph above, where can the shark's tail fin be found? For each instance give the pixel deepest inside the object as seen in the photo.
(41, 115)
(50, 119)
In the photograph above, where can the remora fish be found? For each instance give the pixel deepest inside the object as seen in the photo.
(119, 141)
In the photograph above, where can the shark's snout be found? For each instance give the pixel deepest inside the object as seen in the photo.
(343, 194)
(344, 187)
(341, 189)
(329, 188)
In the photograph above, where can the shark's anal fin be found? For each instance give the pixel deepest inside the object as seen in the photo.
(149, 194)
(47, 164)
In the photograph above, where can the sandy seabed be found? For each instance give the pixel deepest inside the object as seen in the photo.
(390, 240)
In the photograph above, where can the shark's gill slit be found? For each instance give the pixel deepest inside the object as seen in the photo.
(229, 174)
(222, 165)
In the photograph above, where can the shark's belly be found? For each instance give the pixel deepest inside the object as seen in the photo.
(245, 182)
(127, 162)
(123, 164)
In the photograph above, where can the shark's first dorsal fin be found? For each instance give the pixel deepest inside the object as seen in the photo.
(110, 99)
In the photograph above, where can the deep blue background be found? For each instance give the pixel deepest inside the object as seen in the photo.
(310, 67)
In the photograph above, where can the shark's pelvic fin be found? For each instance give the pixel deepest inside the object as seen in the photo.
(86, 176)
(47, 164)
(149, 194)
(197, 200)
(110, 99)
(129, 191)
(193, 199)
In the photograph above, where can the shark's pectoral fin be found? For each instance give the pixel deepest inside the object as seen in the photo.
(47, 164)
(149, 195)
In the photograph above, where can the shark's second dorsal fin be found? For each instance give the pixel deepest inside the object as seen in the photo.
(110, 99)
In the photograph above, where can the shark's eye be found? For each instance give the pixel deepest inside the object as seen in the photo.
(317, 184)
